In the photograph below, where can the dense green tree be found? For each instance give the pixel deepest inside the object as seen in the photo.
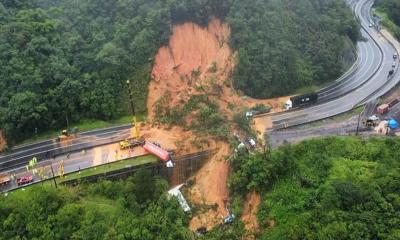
(330, 188)
(95, 211)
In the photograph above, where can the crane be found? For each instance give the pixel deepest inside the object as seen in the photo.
(135, 130)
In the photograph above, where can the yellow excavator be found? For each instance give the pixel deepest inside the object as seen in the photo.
(67, 134)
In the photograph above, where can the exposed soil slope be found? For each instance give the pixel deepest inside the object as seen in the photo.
(249, 216)
(199, 60)
(210, 190)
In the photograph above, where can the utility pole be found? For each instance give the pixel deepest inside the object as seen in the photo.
(358, 123)
(136, 135)
(52, 172)
(67, 121)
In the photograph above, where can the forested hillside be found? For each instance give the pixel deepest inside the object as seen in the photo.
(332, 188)
(284, 45)
(62, 58)
(392, 9)
(137, 208)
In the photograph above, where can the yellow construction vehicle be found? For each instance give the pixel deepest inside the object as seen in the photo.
(131, 143)
(67, 134)
(371, 122)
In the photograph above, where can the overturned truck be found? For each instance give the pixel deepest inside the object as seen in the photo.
(157, 151)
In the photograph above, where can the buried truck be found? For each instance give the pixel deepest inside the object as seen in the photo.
(301, 100)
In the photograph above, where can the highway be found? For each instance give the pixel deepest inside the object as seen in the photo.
(48, 149)
(370, 77)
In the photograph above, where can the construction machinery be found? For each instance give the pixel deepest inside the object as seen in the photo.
(67, 134)
(372, 121)
(135, 130)
(131, 143)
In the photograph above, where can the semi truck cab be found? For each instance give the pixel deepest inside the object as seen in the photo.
(288, 104)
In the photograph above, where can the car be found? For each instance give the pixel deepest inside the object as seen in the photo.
(395, 56)
(229, 219)
(393, 64)
(370, 25)
(24, 180)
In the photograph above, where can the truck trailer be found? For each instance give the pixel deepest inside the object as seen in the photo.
(4, 180)
(301, 100)
(159, 152)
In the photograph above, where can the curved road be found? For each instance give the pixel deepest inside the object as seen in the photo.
(347, 83)
(376, 55)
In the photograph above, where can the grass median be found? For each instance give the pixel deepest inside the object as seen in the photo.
(131, 162)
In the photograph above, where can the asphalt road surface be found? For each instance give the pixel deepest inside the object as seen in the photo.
(376, 58)
(20, 155)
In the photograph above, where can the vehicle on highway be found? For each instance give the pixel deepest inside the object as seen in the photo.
(395, 56)
(393, 64)
(131, 143)
(4, 180)
(24, 180)
(391, 72)
(301, 100)
(370, 25)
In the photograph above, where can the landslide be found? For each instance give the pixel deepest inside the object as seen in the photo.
(199, 61)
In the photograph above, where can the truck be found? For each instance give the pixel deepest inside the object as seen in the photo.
(160, 153)
(4, 180)
(393, 102)
(382, 109)
(24, 180)
(131, 143)
(301, 100)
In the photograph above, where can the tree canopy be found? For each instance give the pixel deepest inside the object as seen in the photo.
(137, 208)
(331, 188)
(392, 9)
